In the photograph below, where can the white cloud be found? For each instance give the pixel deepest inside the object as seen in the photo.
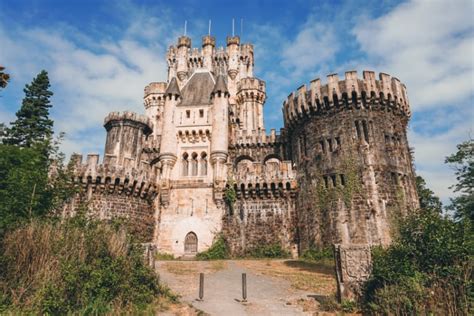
(88, 81)
(428, 45)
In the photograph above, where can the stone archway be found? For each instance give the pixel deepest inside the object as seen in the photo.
(190, 243)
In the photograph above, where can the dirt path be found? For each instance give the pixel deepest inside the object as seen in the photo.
(274, 287)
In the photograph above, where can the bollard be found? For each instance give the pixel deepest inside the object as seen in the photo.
(201, 286)
(244, 287)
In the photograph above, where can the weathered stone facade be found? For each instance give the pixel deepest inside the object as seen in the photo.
(337, 172)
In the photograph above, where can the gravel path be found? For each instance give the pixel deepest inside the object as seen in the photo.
(223, 289)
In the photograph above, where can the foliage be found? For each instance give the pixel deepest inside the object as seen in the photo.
(463, 163)
(428, 200)
(218, 250)
(33, 124)
(77, 266)
(315, 254)
(427, 269)
(164, 256)
(230, 196)
(267, 251)
(4, 77)
(31, 185)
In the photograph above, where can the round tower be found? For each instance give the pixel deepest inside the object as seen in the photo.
(154, 100)
(208, 50)
(233, 51)
(246, 60)
(184, 45)
(348, 139)
(250, 99)
(220, 128)
(126, 133)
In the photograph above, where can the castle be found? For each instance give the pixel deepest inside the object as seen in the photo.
(200, 162)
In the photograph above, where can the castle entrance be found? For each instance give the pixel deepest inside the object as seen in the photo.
(191, 243)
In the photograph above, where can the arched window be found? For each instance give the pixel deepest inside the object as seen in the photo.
(203, 164)
(185, 165)
(194, 164)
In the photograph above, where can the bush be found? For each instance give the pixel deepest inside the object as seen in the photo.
(77, 266)
(268, 251)
(317, 254)
(217, 251)
(426, 270)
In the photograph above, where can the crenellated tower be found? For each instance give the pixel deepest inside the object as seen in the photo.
(348, 139)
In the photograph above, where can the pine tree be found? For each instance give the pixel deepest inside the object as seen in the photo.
(33, 125)
(4, 77)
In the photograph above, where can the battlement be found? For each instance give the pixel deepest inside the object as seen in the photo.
(114, 179)
(155, 88)
(259, 139)
(251, 84)
(360, 93)
(117, 117)
(233, 40)
(265, 179)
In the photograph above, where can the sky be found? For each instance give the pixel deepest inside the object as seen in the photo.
(100, 55)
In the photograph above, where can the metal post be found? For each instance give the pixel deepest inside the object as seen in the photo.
(201, 286)
(244, 287)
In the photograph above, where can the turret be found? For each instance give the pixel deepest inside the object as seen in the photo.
(168, 138)
(251, 97)
(184, 44)
(220, 129)
(233, 52)
(154, 100)
(247, 61)
(208, 50)
(126, 133)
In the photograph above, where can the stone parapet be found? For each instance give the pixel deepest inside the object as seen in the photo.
(352, 92)
(129, 117)
(111, 178)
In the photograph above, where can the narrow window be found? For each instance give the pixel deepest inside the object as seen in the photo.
(188, 113)
(194, 164)
(201, 113)
(203, 164)
(330, 144)
(333, 178)
(343, 179)
(366, 131)
(387, 139)
(338, 142)
(185, 165)
(357, 129)
(323, 147)
(326, 182)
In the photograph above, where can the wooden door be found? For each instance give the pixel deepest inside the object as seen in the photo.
(190, 243)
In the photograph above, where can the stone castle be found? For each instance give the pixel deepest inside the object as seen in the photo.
(200, 163)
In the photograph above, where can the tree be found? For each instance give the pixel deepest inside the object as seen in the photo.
(33, 125)
(428, 200)
(4, 77)
(463, 163)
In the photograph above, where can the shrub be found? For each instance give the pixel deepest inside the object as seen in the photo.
(77, 266)
(217, 251)
(316, 254)
(426, 270)
(268, 251)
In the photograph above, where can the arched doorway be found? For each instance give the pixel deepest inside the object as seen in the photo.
(190, 243)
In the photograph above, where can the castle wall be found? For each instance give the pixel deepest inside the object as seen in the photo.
(191, 208)
(134, 211)
(258, 222)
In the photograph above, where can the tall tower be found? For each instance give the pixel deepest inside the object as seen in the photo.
(220, 130)
(348, 139)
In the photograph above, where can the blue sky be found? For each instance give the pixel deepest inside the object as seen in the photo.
(101, 54)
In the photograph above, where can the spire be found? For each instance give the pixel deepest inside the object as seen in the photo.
(173, 88)
(220, 86)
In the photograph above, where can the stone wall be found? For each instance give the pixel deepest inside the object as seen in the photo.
(136, 213)
(261, 222)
